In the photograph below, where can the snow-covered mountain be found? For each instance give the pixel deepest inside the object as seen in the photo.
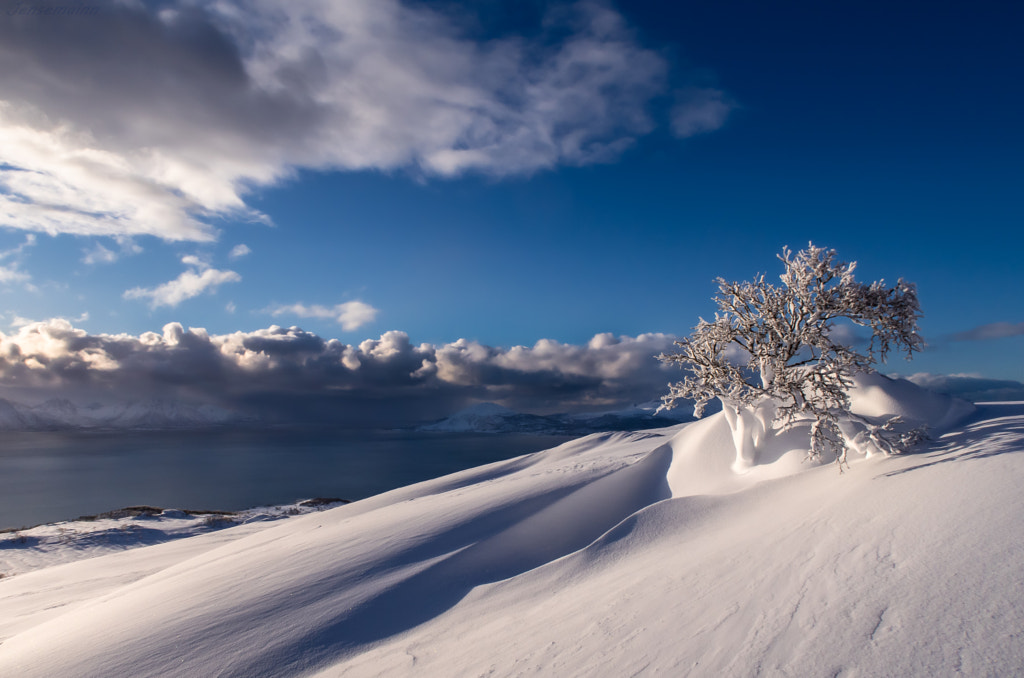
(615, 554)
(494, 418)
(154, 413)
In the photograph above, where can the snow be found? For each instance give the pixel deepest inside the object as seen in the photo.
(615, 554)
(42, 546)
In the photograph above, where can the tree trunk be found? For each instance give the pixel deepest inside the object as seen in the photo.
(751, 428)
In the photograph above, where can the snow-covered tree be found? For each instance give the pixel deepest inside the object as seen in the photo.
(773, 354)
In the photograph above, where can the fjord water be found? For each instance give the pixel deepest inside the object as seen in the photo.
(52, 476)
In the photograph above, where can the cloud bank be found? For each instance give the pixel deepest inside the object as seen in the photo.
(1000, 330)
(970, 386)
(139, 121)
(291, 375)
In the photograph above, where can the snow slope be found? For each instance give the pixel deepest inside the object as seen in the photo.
(34, 548)
(616, 554)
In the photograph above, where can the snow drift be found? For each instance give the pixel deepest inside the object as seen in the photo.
(615, 554)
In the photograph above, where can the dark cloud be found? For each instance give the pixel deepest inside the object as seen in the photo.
(290, 375)
(152, 118)
(999, 330)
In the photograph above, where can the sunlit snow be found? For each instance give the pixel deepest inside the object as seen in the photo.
(616, 554)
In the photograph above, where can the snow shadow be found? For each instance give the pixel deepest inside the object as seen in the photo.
(492, 547)
(994, 429)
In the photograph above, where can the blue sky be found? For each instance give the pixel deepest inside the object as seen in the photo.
(506, 172)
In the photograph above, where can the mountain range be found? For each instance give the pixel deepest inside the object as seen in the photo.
(494, 418)
(155, 413)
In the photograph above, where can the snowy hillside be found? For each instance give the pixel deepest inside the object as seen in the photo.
(616, 554)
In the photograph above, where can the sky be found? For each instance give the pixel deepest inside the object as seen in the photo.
(385, 201)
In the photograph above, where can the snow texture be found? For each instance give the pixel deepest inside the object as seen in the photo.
(33, 548)
(616, 554)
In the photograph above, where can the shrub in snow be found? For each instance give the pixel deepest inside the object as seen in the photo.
(773, 357)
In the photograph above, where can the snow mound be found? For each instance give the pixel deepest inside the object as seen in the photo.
(879, 397)
(703, 453)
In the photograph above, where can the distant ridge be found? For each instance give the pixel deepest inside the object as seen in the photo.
(154, 413)
(493, 418)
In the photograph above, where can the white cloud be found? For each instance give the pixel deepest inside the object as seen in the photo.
(187, 285)
(67, 182)
(239, 251)
(351, 315)
(220, 97)
(30, 240)
(18, 321)
(12, 273)
(193, 260)
(700, 110)
(99, 254)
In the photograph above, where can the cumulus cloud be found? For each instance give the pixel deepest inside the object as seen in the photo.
(289, 373)
(218, 97)
(191, 283)
(239, 251)
(700, 110)
(999, 330)
(351, 315)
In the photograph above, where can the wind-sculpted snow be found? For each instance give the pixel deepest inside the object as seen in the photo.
(615, 554)
(351, 578)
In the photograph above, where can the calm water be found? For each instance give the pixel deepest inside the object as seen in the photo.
(46, 477)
